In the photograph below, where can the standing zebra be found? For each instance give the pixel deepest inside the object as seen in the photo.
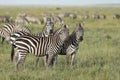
(71, 45)
(39, 46)
(47, 30)
(7, 29)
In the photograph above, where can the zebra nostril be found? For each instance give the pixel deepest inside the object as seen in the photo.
(81, 38)
(51, 31)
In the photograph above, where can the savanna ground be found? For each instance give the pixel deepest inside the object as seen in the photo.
(98, 57)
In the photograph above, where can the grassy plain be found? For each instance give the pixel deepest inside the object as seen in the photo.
(98, 57)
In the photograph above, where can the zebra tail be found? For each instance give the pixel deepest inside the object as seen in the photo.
(12, 52)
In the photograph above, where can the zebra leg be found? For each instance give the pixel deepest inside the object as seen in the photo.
(67, 59)
(22, 63)
(50, 60)
(36, 61)
(19, 61)
(72, 59)
(2, 40)
(45, 60)
(16, 60)
(55, 61)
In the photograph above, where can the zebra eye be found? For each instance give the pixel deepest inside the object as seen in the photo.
(77, 31)
(60, 33)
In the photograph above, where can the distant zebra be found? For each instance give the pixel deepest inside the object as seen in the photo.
(57, 19)
(116, 16)
(7, 29)
(32, 19)
(102, 16)
(5, 19)
(43, 46)
(21, 20)
(71, 45)
(47, 30)
(73, 16)
(96, 16)
(53, 18)
(26, 19)
(84, 16)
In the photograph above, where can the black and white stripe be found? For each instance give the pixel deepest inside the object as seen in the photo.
(3, 35)
(71, 45)
(39, 46)
(47, 30)
(7, 29)
(6, 19)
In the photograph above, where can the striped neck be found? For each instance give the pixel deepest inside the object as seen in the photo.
(58, 40)
(73, 39)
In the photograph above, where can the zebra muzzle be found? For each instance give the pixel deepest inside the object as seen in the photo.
(51, 31)
(81, 38)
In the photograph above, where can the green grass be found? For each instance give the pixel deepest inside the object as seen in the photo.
(98, 57)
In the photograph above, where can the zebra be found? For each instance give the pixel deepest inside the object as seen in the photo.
(47, 30)
(32, 19)
(39, 46)
(116, 16)
(71, 45)
(21, 20)
(96, 16)
(7, 29)
(102, 16)
(73, 16)
(6, 19)
(26, 18)
(54, 18)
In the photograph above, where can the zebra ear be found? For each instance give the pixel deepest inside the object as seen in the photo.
(65, 26)
(83, 24)
(80, 24)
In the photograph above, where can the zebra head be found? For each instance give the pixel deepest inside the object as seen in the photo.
(62, 32)
(49, 28)
(79, 31)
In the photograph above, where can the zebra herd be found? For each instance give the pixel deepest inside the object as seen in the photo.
(27, 19)
(24, 18)
(48, 43)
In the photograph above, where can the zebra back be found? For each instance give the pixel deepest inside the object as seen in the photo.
(39, 46)
(21, 28)
(47, 30)
(16, 35)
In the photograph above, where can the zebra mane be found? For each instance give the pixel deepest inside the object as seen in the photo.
(60, 29)
(44, 28)
(73, 36)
